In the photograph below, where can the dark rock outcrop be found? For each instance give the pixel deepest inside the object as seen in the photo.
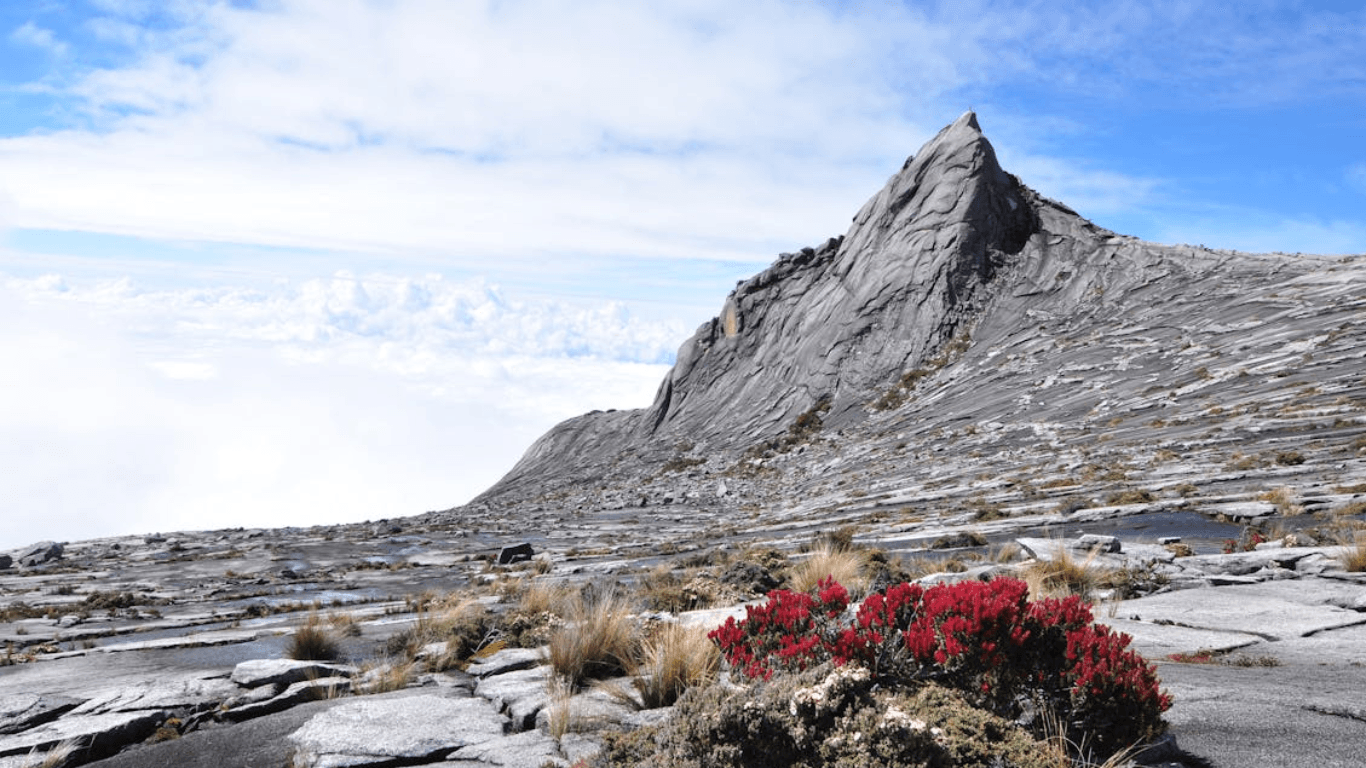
(42, 552)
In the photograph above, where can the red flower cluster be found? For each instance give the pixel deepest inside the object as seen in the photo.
(788, 632)
(984, 638)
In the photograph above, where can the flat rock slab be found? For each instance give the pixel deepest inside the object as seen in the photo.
(521, 694)
(394, 731)
(1295, 716)
(591, 711)
(1269, 610)
(160, 694)
(1157, 641)
(194, 640)
(98, 734)
(507, 660)
(298, 693)
(250, 674)
(19, 712)
(531, 749)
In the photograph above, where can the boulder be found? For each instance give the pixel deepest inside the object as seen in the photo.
(42, 552)
(5, 562)
(1093, 541)
(515, 554)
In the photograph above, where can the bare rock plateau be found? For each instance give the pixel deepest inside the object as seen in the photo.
(971, 380)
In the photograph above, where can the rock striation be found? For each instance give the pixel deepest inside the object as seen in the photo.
(953, 265)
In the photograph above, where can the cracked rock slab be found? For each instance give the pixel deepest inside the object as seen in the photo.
(531, 749)
(394, 731)
(1270, 610)
(20, 712)
(98, 734)
(256, 672)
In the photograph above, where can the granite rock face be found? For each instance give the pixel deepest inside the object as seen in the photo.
(954, 265)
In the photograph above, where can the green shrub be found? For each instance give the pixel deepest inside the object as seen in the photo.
(828, 717)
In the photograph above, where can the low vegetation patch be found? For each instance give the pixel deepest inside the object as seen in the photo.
(967, 674)
(1354, 558)
(673, 660)
(599, 639)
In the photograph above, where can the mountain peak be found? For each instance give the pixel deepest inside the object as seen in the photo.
(832, 327)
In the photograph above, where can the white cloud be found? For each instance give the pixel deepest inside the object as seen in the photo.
(332, 400)
(38, 37)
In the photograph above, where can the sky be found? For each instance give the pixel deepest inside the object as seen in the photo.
(296, 262)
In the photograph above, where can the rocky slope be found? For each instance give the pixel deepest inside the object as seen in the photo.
(965, 317)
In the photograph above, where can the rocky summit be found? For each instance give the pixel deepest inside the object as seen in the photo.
(973, 381)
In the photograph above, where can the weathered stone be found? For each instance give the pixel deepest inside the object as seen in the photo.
(519, 553)
(530, 749)
(1265, 610)
(593, 710)
(520, 694)
(250, 674)
(298, 693)
(183, 692)
(5, 562)
(1095, 542)
(394, 731)
(96, 735)
(507, 660)
(37, 554)
(21, 711)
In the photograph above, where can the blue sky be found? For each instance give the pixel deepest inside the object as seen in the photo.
(303, 261)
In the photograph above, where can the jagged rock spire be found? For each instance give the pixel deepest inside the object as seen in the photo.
(835, 324)
(830, 322)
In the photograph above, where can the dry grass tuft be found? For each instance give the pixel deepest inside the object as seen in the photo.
(393, 676)
(1354, 558)
(542, 596)
(1063, 575)
(1284, 499)
(57, 757)
(1062, 751)
(675, 659)
(313, 642)
(848, 567)
(598, 639)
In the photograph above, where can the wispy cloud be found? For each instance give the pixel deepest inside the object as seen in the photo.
(34, 35)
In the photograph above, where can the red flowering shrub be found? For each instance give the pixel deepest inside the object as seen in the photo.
(789, 632)
(985, 639)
